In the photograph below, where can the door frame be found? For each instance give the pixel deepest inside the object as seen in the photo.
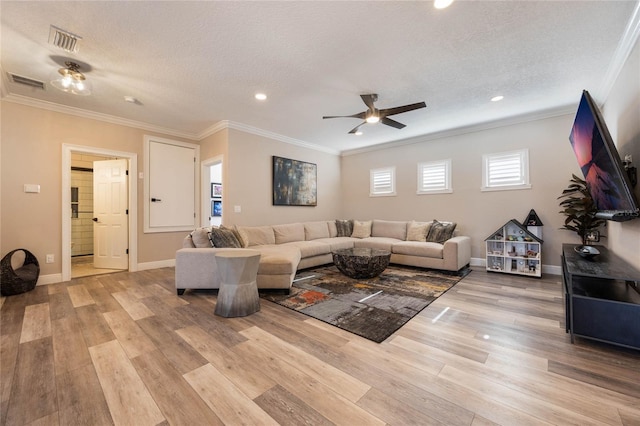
(205, 185)
(132, 188)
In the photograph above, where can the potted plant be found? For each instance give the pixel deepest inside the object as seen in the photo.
(579, 209)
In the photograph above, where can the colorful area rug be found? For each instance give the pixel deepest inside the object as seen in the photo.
(373, 308)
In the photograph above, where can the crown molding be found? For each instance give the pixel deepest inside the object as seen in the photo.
(220, 125)
(487, 125)
(78, 112)
(625, 46)
(267, 134)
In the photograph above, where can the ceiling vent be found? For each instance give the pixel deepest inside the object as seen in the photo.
(63, 39)
(26, 81)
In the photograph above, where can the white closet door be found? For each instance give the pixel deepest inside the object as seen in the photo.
(171, 187)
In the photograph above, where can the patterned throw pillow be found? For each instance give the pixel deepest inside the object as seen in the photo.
(361, 229)
(440, 232)
(345, 227)
(223, 237)
(200, 237)
(417, 231)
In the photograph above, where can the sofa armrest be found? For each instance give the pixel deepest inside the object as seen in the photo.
(457, 252)
(197, 268)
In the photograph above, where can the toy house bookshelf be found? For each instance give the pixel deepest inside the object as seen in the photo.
(513, 249)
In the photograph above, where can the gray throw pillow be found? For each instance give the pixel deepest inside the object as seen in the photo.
(440, 232)
(224, 238)
(344, 227)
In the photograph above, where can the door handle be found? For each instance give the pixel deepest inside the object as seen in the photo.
(156, 200)
(95, 219)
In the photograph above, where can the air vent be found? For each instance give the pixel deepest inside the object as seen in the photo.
(63, 39)
(26, 81)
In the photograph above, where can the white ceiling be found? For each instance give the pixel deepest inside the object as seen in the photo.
(193, 65)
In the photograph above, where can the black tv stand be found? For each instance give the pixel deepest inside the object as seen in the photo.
(602, 297)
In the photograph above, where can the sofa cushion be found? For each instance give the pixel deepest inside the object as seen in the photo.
(289, 232)
(418, 231)
(441, 231)
(338, 243)
(382, 243)
(258, 235)
(241, 236)
(278, 260)
(201, 237)
(344, 228)
(310, 248)
(421, 249)
(224, 237)
(315, 230)
(361, 229)
(389, 229)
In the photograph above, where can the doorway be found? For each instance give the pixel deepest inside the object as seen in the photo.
(77, 238)
(212, 192)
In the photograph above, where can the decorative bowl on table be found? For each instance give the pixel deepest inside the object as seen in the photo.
(586, 251)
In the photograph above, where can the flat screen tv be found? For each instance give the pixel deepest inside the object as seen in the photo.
(600, 163)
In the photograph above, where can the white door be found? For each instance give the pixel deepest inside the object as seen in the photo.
(110, 229)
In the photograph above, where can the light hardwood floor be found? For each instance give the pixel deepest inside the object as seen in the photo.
(124, 349)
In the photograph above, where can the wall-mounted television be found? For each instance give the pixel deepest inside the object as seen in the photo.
(600, 163)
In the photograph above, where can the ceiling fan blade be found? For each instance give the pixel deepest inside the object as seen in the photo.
(355, 129)
(369, 100)
(360, 115)
(401, 109)
(392, 123)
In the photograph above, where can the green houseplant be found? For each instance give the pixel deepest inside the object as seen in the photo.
(579, 209)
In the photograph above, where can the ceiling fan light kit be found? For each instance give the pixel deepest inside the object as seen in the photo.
(71, 80)
(374, 115)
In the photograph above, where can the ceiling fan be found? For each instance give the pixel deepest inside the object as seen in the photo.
(374, 115)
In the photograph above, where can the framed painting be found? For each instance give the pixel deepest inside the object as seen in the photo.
(294, 182)
(216, 190)
(216, 208)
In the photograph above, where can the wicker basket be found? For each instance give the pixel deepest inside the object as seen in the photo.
(22, 279)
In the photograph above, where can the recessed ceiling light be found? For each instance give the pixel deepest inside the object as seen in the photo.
(260, 96)
(358, 132)
(441, 4)
(130, 99)
(497, 98)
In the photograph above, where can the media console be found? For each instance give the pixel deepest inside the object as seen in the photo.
(602, 297)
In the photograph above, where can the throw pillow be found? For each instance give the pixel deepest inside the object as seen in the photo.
(224, 237)
(344, 227)
(241, 236)
(440, 232)
(200, 237)
(417, 231)
(361, 229)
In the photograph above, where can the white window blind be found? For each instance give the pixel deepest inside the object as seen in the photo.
(434, 177)
(506, 170)
(382, 182)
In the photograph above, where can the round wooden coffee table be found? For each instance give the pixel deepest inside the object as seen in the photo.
(238, 294)
(361, 262)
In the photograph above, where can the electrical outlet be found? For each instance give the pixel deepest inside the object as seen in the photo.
(50, 258)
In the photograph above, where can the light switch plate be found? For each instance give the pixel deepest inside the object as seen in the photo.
(32, 187)
(237, 209)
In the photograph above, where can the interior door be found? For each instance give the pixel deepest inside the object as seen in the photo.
(110, 229)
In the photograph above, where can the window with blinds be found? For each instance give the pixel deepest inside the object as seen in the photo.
(434, 177)
(382, 182)
(505, 170)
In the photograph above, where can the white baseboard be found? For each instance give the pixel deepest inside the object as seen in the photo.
(546, 269)
(168, 263)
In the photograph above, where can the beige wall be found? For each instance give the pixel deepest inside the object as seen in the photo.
(248, 180)
(32, 140)
(622, 115)
(477, 213)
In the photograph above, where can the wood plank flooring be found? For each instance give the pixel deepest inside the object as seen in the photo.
(123, 349)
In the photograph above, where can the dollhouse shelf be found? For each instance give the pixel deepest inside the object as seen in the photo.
(512, 249)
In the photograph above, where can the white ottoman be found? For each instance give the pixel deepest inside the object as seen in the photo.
(238, 294)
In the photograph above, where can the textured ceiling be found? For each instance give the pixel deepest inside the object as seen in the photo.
(192, 65)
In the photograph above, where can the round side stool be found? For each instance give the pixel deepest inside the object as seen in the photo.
(238, 294)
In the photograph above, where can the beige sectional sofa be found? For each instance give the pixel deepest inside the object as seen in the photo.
(287, 248)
